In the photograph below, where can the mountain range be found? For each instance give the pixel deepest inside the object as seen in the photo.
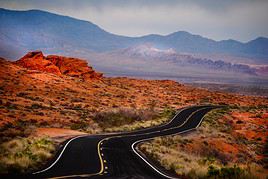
(180, 56)
(23, 31)
(148, 52)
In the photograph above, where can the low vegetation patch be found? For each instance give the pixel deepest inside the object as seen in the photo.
(19, 128)
(265, 154)
(23, 155)
(127, 119)
(228, 172)
(216, 150)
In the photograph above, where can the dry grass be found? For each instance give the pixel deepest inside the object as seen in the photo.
(128, 119)
(172, 159)
(214, 151)
(194, 166)
(25, 154)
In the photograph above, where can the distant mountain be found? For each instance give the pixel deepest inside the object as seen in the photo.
(257, 46)
(31, 30)
(23, 31)
(183, 41)
(148, 52)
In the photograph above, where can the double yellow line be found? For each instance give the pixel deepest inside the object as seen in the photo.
(107, 138)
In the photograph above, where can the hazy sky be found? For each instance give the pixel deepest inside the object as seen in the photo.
(242, 20)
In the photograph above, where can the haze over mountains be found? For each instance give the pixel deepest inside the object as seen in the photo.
(35, 29)
(149, 52)
(177, 54)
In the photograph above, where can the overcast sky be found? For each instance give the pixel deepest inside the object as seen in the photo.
(242, 20)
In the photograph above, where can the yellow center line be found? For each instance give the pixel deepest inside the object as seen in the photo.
(107, 138)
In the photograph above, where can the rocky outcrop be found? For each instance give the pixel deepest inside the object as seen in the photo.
(58, 65)
(73, 67)
(37, 61)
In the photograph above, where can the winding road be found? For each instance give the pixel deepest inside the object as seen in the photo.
(117, 155)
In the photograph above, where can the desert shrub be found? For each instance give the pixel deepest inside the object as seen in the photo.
(77, 107)
(168, 112)
(84, 114)
(240, 139)
(22, 94)
(81, 125)
(129, 119)
(74, 100)
(212, 119)
(208, 160)
(213, 171)
(212, 153)
(169, 141)
(26, 96)
(122, 116)
(40, 113)
(36, 106)
(63, 112)
(259, 115)
(265, 153)
(11, 106)
(205, 100)
(22, 155)
(152, 105)
(19, 128)
(228, 172)
(37, 98)
(6, 126)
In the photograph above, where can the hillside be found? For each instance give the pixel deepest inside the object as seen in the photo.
(23, 31)
(45, 101)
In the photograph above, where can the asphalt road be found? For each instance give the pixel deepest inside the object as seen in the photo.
(116, 155)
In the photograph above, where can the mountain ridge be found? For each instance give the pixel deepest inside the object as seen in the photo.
(171, 33)
(53, 33)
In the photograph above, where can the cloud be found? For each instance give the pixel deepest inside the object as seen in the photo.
(241, 19)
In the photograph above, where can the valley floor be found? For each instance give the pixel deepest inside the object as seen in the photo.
(31, 99)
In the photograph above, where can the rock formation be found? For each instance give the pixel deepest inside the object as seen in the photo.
(58, 65)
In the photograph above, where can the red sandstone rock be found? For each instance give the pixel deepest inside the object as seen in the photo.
(74, 67)
(58, 65)
(36, 61)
